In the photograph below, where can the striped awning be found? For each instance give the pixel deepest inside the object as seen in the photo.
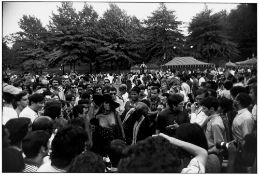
(251, 61)
(184, 61)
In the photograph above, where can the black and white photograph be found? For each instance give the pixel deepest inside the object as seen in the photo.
(129, 86)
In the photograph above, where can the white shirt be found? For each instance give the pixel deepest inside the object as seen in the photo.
(243, 124)
(201, 80)
(9, 113)
(29, 113)
(121, 108)
(194, 167)
(186, 88)
(46, 167)
(254, 112)
(198, 117)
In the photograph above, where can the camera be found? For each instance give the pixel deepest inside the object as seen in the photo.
(224, 145)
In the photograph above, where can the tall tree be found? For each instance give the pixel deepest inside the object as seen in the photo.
(208, 38)
(243, 28)
(164, 39)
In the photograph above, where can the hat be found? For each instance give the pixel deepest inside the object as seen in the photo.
(107, 98)
(11, 89)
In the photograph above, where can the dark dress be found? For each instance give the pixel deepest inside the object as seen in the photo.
(102, 137)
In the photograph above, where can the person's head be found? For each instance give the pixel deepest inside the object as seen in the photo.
(35, 144)
(209, 105)
(70, 99)
(87, 162)
(154, 91)
(66, 145)
(80, 89)
(106, 90)
(228, 84)
(201, 93)
(113, 92)
(123, 88)
(134, 93)
(22, 99)
(44, 123)
(107, 82)
(86, 103)
(225, 105)
(242, 100)
(212, 92)
(73, 87)
(79, 111)
(115, 151)
(18, 128)
(36, 101)
(85, 96)
(52, 109)
(253, 93)
(77, 122)
(192, 133)
(152, 155)
(236, 90)
(109, 104)
(55, 82)
(175, 102)
(98, 89)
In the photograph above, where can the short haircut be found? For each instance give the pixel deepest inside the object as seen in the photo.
(33, 141)
(87, 162)
(236, 90)
(152, 155)
(66, 145)
(78, 109)
(123, 87)
(226, 104)
(18, 128)
(174, 99)
(115, 151)
(135, 89)
(55, 79)
(19, 96)
(52, 109)
(85, 101)
(155, 88)
(210, 102)
(106, 88)
(228, 84)
(44, 123)
(192, 133)
(36, 98)
(201, 91)
(113, 89)
(244, 99)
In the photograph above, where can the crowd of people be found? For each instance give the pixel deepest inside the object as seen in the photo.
(188, 121)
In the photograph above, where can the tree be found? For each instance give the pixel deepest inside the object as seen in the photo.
(164, 39)
(243, 28)
(208, 38)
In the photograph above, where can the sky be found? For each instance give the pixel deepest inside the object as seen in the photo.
(13, 11)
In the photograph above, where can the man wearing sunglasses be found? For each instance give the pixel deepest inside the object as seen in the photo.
(113, 93)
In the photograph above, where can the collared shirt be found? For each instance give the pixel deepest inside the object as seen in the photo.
(8, 113)
(29, 113)
(198, 117)
(242, 124)
(215, 131)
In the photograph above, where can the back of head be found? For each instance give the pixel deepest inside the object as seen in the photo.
(66, 145)
(210, 102)
(152, 155)
(43, 123)
(244, 99)
(174, 100)
(33, 142)
(236, 90)
(192, 133)
(78, 109)
(228, 84)
(35, 98)
(115, 151)
(52, 109)
(18, 128)
(87, 162)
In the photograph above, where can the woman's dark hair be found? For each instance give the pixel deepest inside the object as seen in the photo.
(19, 96)
(66, 145)
(152, 155)
(36, 98)
(87, 162)
(192, 133)
(9, 98)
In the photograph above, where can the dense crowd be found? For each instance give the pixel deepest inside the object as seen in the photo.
(188, 121)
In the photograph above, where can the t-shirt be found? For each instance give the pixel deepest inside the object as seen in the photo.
(29, 113)
(8, 113)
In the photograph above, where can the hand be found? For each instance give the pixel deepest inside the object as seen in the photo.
(174, 126)
(193, 108)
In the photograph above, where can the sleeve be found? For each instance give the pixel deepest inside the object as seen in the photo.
(194, 167)
(247, 127)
